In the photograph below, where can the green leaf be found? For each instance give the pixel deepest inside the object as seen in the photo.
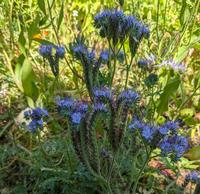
(182, 12)
(170, 88)
(61, 16)
(28, 81)
(41, 5)
(187, 112)
(22, 42)
(193, 153)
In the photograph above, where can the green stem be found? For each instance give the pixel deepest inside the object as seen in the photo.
(140, 173)
(127, 71)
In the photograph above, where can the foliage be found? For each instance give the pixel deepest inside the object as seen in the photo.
(118, 77)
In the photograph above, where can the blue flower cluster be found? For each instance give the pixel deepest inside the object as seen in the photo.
(174, 146)
(193, 177)
(102, 94)
(128, 96)
(165, 137)
(46, 51)
(74, 110)
(114, 24)
(36, 116)
(100, 107)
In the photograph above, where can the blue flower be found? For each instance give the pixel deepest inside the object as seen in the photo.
(193, 177)
(136, 124)
(102, 93)
(172, 126)
(76, 117)
(128, 96)
(38, 113)
(60, 51)
(100, 107)
(45, 50)
(104, 57)
(143, 64)
(66, 103)
(174, 146)
(148, 132)
(81, 107)
(36, 117)
(163, 130)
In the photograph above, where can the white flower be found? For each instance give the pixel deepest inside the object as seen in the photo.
(173, 65)
(75, 13)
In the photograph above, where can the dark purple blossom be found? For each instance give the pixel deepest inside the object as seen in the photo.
(60, 51)
(128, 96)
(45, 50)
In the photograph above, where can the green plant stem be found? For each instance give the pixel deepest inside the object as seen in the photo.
(185, 102)
(114, 67)
(128, 70)
(140, 173)
(57, 38)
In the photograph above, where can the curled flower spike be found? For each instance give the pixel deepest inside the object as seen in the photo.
(60, 51)
(66, 103)
(104, 57)
(100, 107)
(128, 96)
(102, 94)
(45, 50)
(81, 107)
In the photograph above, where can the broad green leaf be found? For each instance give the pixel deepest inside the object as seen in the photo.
(193, 153)
(170, 88)
(61, 16)
(28, 80)
(41, 5)
(22, 42)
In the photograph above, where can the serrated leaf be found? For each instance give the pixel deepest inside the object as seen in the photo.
(170, 88)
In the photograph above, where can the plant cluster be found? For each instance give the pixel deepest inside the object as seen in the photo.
(118, 115)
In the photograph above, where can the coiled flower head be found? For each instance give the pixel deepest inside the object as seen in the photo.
(36, 117)
(60, 51)
(45, 50)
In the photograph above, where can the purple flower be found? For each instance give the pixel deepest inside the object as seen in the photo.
(102, 93)
(81, 107)
(193, 177)
(104, 56)
(174, 146)
(66, 103)
(136, 124)
(100, 107)
(148, 132)
(36, 117)
(128, 96)
(76, 117)
(60, 51)
(173, 65)
(45, 50)
(143, 64)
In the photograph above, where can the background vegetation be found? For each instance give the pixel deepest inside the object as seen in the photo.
(26, 82)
